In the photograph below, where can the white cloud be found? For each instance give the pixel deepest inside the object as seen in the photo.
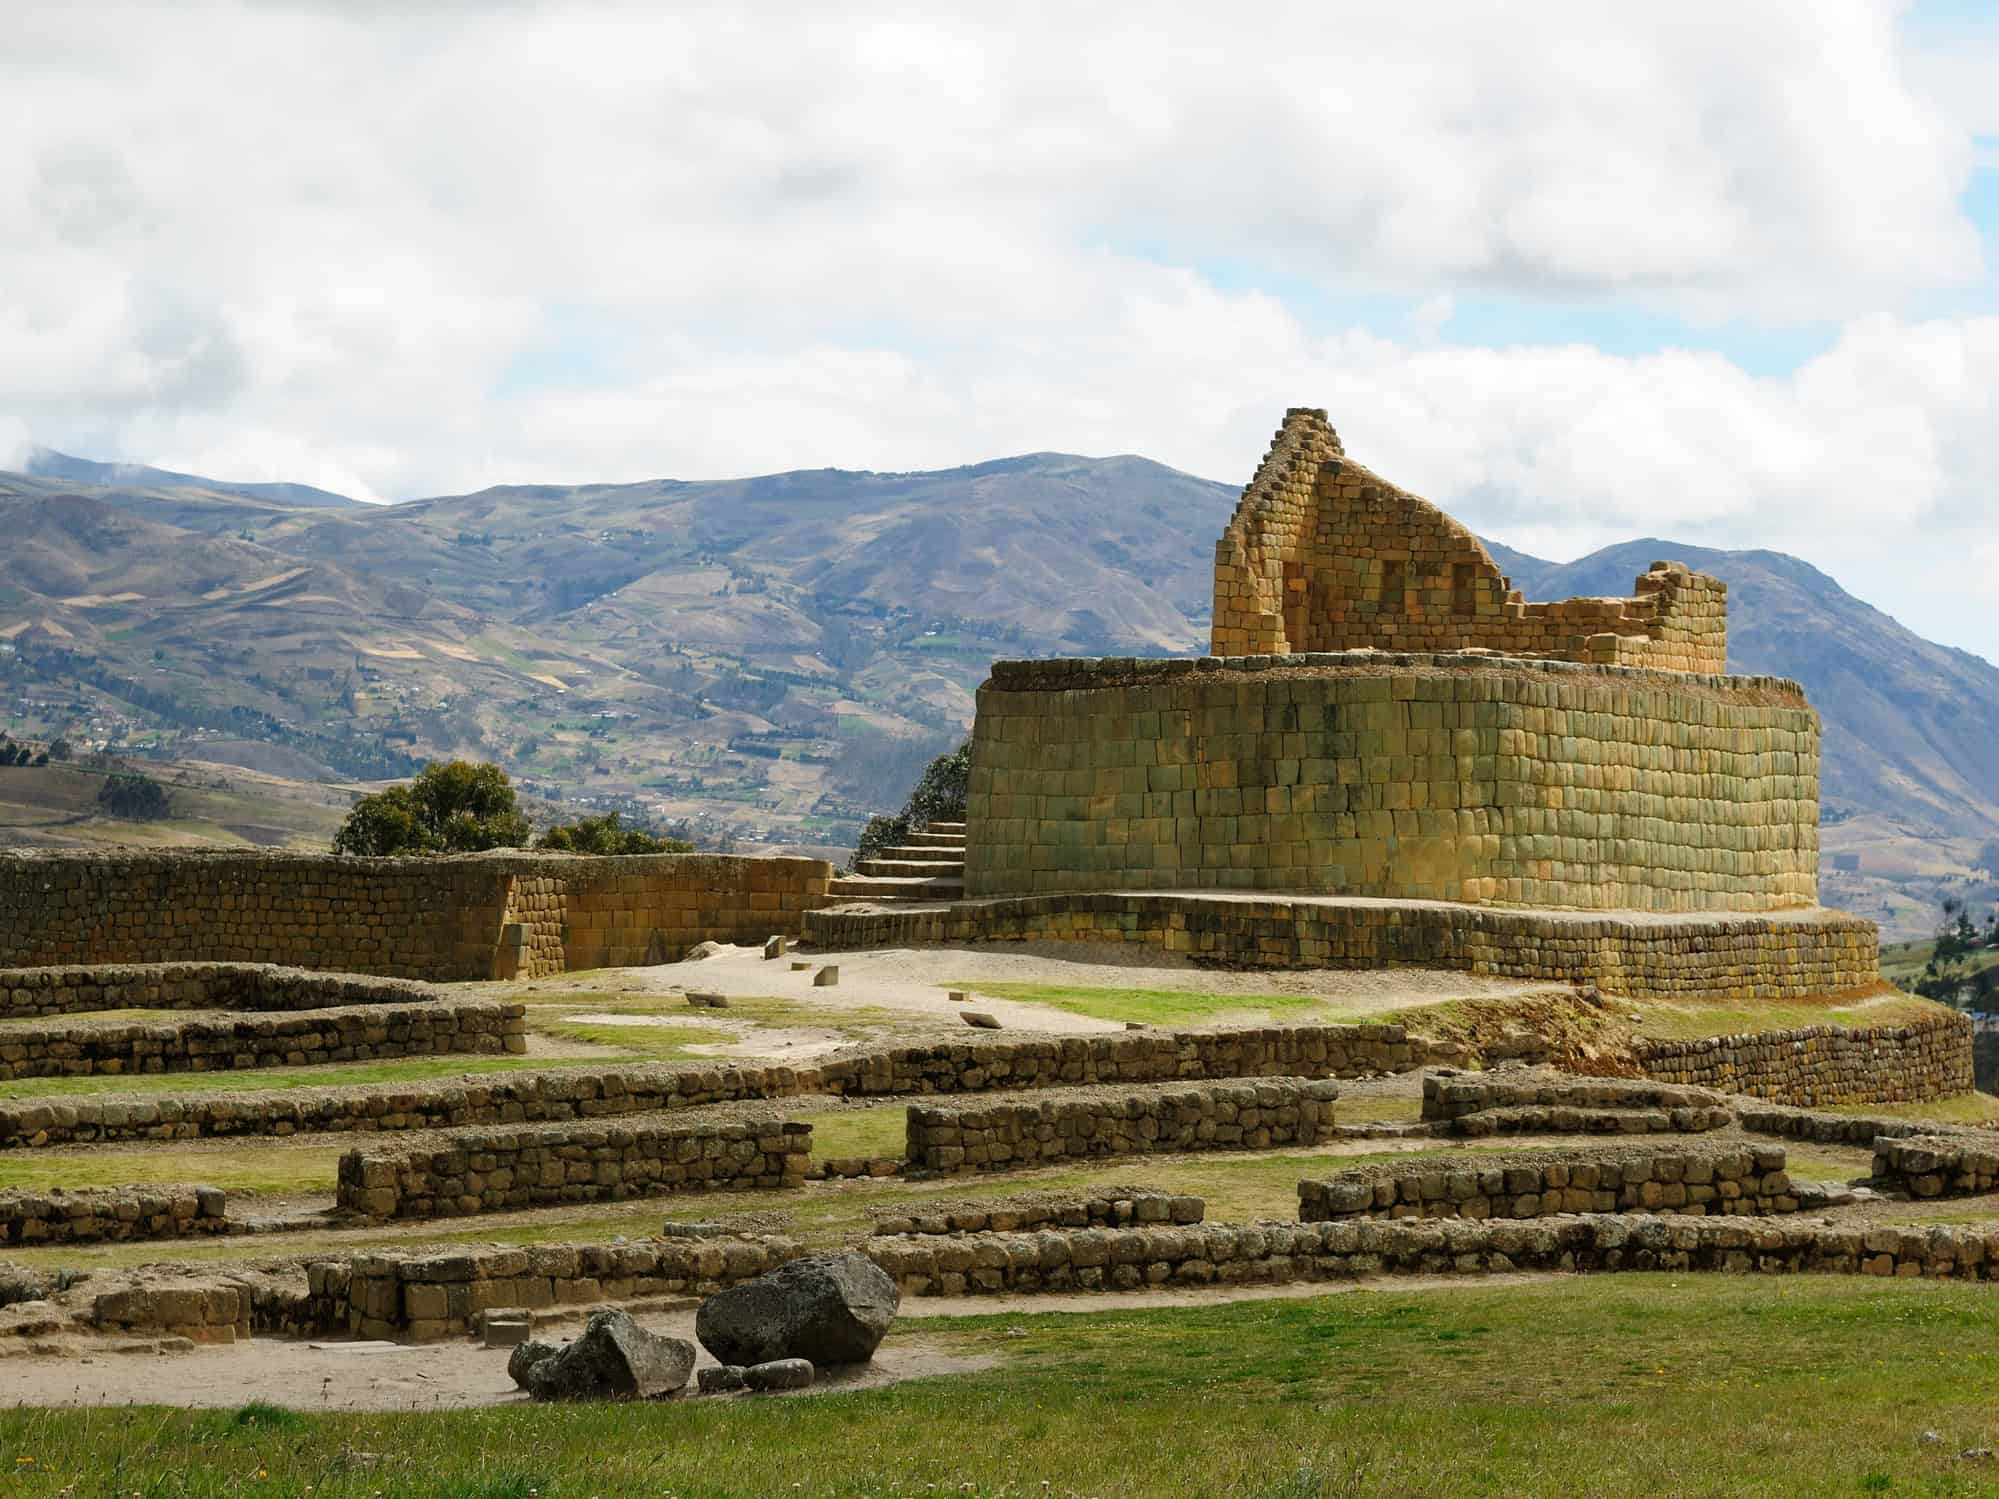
(321, 243)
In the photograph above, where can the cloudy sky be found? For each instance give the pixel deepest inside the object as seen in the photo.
(1718, 272)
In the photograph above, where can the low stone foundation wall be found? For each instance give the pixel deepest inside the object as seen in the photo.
(1692, 1182)
(968, 1066)
(1274, 1253)
(1008, 1135)
(98, 1215)
(1539, 1101)
(1829, 1129)
(226, 1043)
(1959, 1164)
(1111, 1208)
(202, 1309)
(488, 1171)
(1926, 1059)
(1776, 955)
(423, 1297)
(260, 987)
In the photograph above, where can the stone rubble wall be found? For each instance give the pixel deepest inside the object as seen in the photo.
(491, 1171)
(97, 1215)
(1543, 1101)
(422, 1297)
(1925, 1059)
(475, 916)
(1830, 1129)
(1432, 777)
(226, 1043)
(32, 992)
(1275, 1253)
(1694, 1182)
(575, 1093)
(1015, 1134)
(1773, 956)
(203, 1309)
(1962, 1163)
(1109, 1208)
(1321, 554)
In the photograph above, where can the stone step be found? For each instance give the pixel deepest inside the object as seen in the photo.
(948, 827)
(912, 868)
(924, 869)
(931, 838)
(939, 854)
(867, 887)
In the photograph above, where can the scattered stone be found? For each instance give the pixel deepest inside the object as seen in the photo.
(774, 947)
(508, 1329)
(721, 1379)
(1975, 1455)
(1134, 1025)
(799, 967)
(708, 1001)
(1929, 1439)
(827, 1308)
(826, 977)
(957, 996)
(702, 950)
(780, 1374)
(18, 1284)
(614, 1358)
(525, 1357)
(979, 1020)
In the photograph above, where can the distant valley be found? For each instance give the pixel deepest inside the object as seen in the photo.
(769, 659)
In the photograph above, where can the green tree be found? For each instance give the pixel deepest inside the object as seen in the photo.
(1953, 974)
(939, 796)
(452, 807)
(135, 798)
(607, 835)
(60, 750)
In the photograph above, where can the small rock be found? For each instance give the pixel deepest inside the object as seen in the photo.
(774, 947)
(780, 1374)
(1929, 1438)
(702, 950)
(525, 1357)
(797, 967)
(720, 1379)
(507, 1330)
(826, 977)
(1134, 1025)
(979, 1020)
(828, 1308)
(957, 996)
(1975, 1455)
(704, 1001)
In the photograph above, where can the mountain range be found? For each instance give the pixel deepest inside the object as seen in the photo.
(775, 656)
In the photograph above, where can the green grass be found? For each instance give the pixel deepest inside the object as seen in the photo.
(1148, 1006)
(1638, 1384)
(1903, 962)
(857, 1132)
(650, 1043)
(1686, 1022)
(245, 1166)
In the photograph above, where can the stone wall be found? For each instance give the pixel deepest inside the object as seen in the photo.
(424, 1297)
(1774, 956)
(28, 992)
(1013, 1134)
(1323, 555)
(1696, 1182)
(1540, 1101)
(498, 915)
(1110, 1207)
(1960, 1163)
(1430, 777)
(577, 1093)
(225, 1043)
(95, 1215)
(1824, 1064)
(1276, 1253)
(490, 1171)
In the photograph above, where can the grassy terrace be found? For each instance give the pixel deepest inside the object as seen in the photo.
(1635, 1384)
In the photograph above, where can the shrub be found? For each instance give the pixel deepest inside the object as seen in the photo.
(607, 835)
(939, 796)
(135, 798)
(452, 807)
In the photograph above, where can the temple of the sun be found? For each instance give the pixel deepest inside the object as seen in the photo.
(1391, 756)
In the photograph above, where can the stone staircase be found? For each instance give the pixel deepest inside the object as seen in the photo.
(929, 867)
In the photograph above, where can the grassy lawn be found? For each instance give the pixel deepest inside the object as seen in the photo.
(1685, 1022)
(1632, 1384)
(407, 1070)
(857, 1132)
(1149, 1006)
(1965, 1108)
(243, 1166)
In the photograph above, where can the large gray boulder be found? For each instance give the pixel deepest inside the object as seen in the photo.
(613, 1359)
(826, 1308)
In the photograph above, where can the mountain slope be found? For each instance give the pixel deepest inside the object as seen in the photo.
(774, 654)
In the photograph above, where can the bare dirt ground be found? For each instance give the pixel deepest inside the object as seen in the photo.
(916, 982)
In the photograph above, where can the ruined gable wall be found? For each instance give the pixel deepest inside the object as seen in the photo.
(1324, 555)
